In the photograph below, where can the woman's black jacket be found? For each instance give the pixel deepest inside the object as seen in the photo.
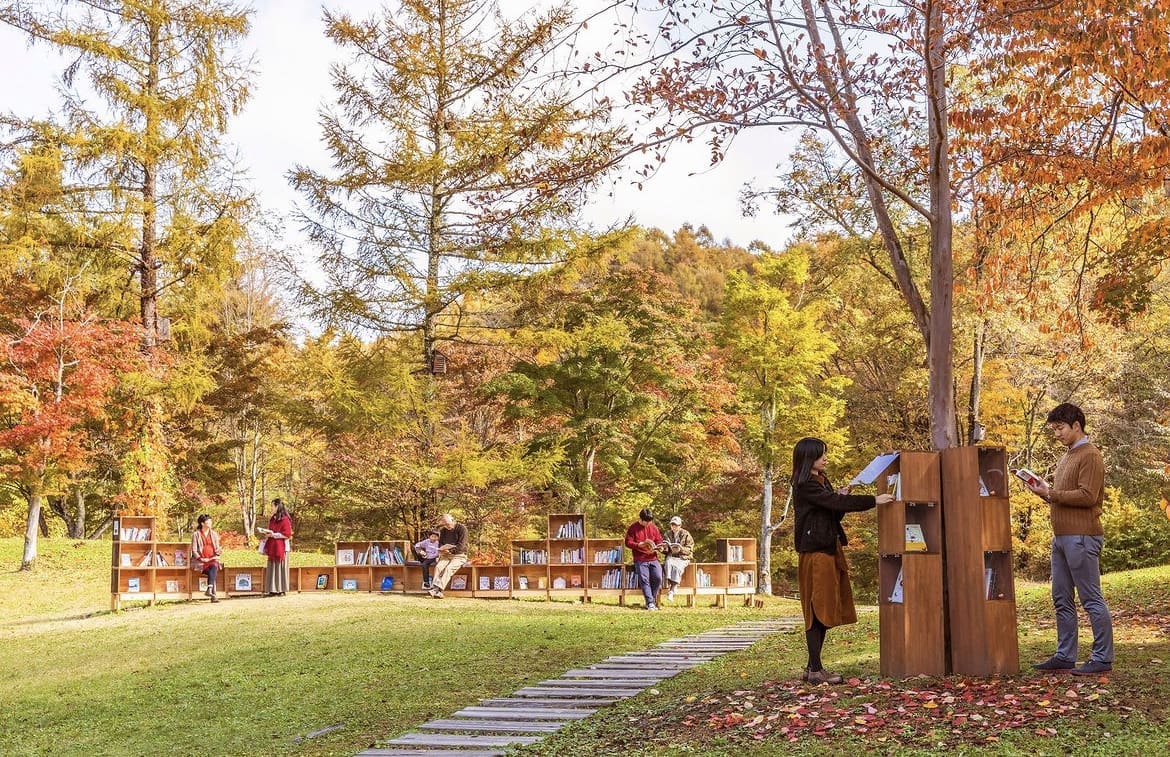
(819, 510)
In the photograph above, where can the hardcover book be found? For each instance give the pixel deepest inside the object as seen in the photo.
(323, 581)
(133, 585)
(172, 587)
(915, 539)
(345, 557)
(243, 582)
(896, 594)
(349, 584)
(459, 583)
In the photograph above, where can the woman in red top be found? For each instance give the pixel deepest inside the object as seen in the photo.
(276, 546)
(205, 553)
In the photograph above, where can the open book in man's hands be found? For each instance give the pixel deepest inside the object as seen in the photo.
(1027, 476)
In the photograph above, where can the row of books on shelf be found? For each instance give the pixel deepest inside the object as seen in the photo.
(154, 558)
(573, 529)
(242, 582)
(130, 533)
(532, 556)
(612, 579)
(372, 555)
(608, 556)
(495, 583)
(734, 553)
(574, 556)
(742, 578)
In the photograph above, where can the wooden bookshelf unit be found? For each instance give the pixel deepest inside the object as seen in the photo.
(910, 579)
(144, 568)
(981, 603)
(566, 564)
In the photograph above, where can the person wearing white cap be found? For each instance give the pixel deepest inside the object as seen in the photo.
(680, 548)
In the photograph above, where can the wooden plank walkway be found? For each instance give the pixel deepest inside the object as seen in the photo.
(533, 712)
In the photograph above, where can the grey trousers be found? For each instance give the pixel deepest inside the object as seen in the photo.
(1075, 564)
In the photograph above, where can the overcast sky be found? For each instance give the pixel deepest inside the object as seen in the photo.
(279, 127)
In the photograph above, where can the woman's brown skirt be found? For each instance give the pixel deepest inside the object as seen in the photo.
(825, 591)
(276, 576)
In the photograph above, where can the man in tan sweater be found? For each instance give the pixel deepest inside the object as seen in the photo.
(1074, 499)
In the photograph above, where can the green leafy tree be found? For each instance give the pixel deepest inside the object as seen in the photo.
(618, 386)
(151, 158)
(778, 355)
(455, 151)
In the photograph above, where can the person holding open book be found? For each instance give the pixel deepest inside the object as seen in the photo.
(427, 552)
(1074, 500)
(206, 553)
(645, 541)
(276, 547)
(826, 596)
(679, 547)
(452, 554)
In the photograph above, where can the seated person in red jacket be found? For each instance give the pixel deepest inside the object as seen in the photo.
(205, 553)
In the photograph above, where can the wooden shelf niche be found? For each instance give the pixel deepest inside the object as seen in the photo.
(741, 558)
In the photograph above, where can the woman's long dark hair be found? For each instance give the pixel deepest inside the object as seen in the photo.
(281, 511)
(806, 452)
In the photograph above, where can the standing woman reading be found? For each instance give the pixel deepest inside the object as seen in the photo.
(826, 597)
(276, 546)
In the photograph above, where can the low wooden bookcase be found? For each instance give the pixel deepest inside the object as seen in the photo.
(565, 564)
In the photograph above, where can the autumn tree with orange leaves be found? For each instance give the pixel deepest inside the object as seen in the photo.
(936, 110)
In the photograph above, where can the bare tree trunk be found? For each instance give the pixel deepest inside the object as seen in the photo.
(57, 506)
(147, 258)
(974, 427)
(764, 584)
(78, 530)
(28, 560)
(943, 433)
(104, 526)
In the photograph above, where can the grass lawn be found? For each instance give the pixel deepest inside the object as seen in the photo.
(751, 703)
(256, 675)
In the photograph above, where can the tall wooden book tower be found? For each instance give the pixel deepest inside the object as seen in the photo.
(946, 596)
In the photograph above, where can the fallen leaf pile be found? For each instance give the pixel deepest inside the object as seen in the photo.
(951, 711)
